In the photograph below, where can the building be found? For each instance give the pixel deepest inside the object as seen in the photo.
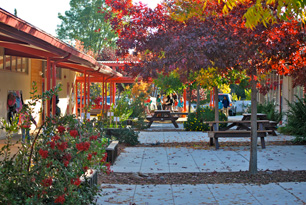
(27, 55)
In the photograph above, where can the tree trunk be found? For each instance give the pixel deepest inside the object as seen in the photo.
(216, 106)
(253, 151)
(198, 96)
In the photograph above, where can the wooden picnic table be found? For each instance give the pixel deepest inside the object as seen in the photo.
(271, 125)
(164, 115)
(243, 130)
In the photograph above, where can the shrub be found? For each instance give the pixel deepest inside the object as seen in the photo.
(48, 170)
(296, 116)
(126, 135)
(269, 108)
(195, 120)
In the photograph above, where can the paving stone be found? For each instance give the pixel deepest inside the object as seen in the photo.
(231, 194)
(192, 194)
(116, 194)
(153, 194)
(272, 194)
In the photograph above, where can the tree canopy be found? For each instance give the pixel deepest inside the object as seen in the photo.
(85, 22)
(213, 39)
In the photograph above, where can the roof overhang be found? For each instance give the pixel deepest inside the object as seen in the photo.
(19, 38)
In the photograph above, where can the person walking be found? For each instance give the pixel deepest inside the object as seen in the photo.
(225, 103)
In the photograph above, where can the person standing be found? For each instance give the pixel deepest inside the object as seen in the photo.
(165, 99)
(225, 103)
(169, 102)
(180, 104)
(158, 102)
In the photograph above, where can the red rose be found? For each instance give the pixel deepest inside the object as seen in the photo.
(55, 138)
(76, 181)
(94, 137)
(52, 144)
(74, 133)
(95, 153)
(80, 146)
(67, 156)
(43, 153)
(83, 146)
(85, 168)
(61, 129)
(62, 146)
(60, 199)
(66, 163)
(86, 146)
(89, 156)
(47, 182)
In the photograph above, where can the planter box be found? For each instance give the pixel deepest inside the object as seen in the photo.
(92, 176)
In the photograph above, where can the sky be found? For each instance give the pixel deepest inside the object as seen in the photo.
(43, 13)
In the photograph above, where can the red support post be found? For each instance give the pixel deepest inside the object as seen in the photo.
(114, 93)
(185, 99)
(48, 84)
(88, 91)
(85, 94)
(53, 85)
(81, 98)
(76, 98)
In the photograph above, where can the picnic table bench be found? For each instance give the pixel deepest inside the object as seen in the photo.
(271, 125)
(243, 130)
(163, 115)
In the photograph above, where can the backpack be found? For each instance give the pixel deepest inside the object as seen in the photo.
(220, 105)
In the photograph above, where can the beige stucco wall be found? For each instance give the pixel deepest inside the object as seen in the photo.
(23, 82)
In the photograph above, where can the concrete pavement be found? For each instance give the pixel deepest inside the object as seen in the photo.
(191, 160)
(186, 194)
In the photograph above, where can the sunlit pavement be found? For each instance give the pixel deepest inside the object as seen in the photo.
(195, 160)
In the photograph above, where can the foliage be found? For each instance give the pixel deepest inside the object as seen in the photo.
(247, 94)
(194, 43)
(169, 83)
(126, 135)
(141, 89)
(122, 108)
(258, 12)
(235, 97)
(203, 95)
(195, 120)
(225, 88)
(85, 22)
(131, 105)
(48, 170)
(296, 120)
(269, 108)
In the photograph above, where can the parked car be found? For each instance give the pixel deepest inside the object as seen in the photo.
(232, 106)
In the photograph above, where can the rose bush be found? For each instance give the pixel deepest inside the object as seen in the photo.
(48, 170)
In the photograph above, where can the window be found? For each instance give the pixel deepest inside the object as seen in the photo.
(58, 70)
(14, 64)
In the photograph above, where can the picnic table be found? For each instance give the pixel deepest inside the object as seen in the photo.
(271, 125)
(243, 130)
(164, 115)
